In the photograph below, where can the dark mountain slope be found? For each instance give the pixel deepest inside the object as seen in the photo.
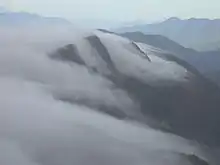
(158, 41)
(69, 53)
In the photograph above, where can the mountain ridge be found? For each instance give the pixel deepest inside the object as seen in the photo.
(24, 18)
(188, 32)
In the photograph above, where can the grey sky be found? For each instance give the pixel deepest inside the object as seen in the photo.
(120, 10)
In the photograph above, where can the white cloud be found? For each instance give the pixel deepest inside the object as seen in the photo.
(37, 129)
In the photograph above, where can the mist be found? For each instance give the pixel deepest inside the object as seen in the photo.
(38, 128)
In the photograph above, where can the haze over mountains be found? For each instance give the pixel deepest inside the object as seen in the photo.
(70, 96)
(199, 34)
(3, 10)
(8, 18)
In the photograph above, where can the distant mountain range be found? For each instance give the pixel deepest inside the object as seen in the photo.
(8, 18)
(199, 34)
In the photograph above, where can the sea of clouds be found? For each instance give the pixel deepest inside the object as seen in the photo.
(37, 128)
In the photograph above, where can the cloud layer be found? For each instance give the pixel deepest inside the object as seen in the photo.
(37, 128)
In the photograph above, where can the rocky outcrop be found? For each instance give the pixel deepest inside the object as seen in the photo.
(69, 53)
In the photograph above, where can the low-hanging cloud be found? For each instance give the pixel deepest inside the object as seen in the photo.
(37, 128)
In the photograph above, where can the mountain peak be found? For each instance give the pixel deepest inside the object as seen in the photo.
(173, 19)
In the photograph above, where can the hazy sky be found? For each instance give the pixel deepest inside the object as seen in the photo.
(118, 10)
